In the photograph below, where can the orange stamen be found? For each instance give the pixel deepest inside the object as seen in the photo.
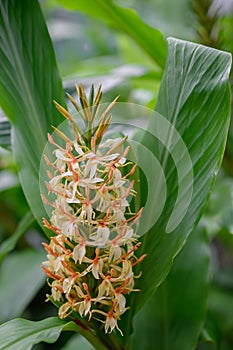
(49, 249)
(50, 274)
(139, 260)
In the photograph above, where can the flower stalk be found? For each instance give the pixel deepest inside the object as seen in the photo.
(92, 253)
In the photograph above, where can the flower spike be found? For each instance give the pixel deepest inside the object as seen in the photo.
(93, 253)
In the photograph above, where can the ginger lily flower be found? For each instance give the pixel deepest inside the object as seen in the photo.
(92, 255)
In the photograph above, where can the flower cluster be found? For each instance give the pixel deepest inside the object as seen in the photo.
(92, 254)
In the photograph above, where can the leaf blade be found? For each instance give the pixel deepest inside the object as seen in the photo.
(176, 114)
(195, 98)
(176, 312)
(24, 334)
(20, 272)
(27, 89)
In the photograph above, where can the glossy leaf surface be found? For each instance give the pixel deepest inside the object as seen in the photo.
(175, 315)
(20, 334)
(195, 100)
(29, 81)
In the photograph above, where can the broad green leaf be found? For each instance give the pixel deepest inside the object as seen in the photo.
(174, 317)
(20, 278)
(195, 99)
(9, 244)
(127, 20)
(20, 334)
(29, 81)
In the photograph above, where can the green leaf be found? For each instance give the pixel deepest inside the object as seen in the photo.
(174, 317)
(29, 81)
(9, 244)
(20, 334)
(20, 278)
(127, 20)
(195, 99)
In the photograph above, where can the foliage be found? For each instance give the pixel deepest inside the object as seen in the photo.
(174, 318)
(188, 85)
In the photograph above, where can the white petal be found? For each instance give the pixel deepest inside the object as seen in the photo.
(78, 149)
(115, 253)
(95, 180)
(103, 232)
(80, 292)
(85, 182)
(129, 233)
(88, 167)
(58, 263)
(125, 203)
(79, 253)
(81, 308)
(91, 155)
(126, 271)
(56, 294)
(87, 307)
(61, 164)
(110, 324)
(73, 200)
(117, 178)
(95, 272)
(110, 157)
(93, 170)
(121, 302)
(55, 180)
(109, 143)
(122, 160)
(60, 155)
(67, 174)
(82, 215)
(67, 285)
(119, 216)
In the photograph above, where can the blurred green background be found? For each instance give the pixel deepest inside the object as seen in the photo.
(89, 52)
